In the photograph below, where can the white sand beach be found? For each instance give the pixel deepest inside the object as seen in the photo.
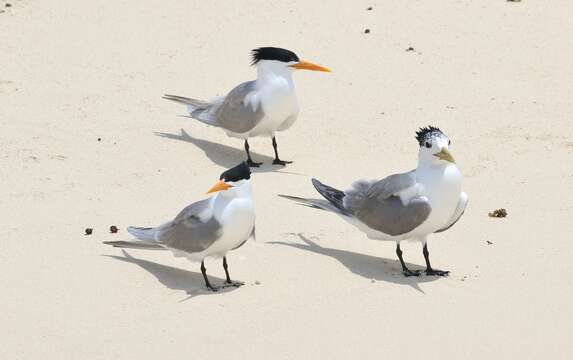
(496, 76)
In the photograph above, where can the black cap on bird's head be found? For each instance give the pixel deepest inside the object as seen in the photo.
(285, 56)
(434, 145)
(273, 53)
(426, 134)
(237, 173)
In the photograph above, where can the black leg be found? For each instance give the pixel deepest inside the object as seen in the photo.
(229, 282)
(407, 272)
(226, 267)
(278, 161)
(429, 270)
(207, 283)
(250, 161)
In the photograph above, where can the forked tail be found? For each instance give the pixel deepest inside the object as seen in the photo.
(197, 109)
(145, 239)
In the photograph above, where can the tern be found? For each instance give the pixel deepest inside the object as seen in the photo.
(256, 108)
(207, 228)
(407, 206)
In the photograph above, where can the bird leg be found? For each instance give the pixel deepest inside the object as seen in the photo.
(429, 270)
(407, 272)
(207, 283)
(229, 282)
(278, 161)
(250, 161)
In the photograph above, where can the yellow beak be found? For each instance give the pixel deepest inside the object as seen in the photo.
(445, 155)
(307, 65)
(219, 186)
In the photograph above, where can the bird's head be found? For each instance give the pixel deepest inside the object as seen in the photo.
(233, 181)
(434, 146)
(283, 59)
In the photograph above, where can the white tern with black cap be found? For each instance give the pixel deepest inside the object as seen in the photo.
(256, 108)
(207, 228)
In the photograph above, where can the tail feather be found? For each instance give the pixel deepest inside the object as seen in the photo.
(313, 203)
(334, 196)
(142, 233)
(145, 239)
(144, 245)
(197, 109)
(196, 104)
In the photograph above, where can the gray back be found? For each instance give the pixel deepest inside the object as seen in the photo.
(392, 184)
(375, 204)
(234, 115)
(188, 232)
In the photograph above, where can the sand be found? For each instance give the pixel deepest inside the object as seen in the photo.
(494, 75)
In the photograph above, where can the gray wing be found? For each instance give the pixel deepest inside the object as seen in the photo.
(377, 204)
(460, 209)
(193, 230)
(234, 115)
(391, 185)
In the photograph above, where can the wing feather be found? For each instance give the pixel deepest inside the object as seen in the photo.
(238, 112)
(379, 206)
(193, 230)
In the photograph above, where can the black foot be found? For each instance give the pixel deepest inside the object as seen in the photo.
(432, 272)
(251, 163)
(213, 288)
(233, 284)
(281, 162)
(408, 272)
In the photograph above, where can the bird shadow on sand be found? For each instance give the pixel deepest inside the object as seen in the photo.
(173, 278)
(223, 155)
(370, 267)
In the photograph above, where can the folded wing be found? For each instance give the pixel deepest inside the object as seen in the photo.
(239, 112)
(193, 230)
(383, 206)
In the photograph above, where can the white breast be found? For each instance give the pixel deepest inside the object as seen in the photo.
(442, 188)
(278, 100)
(238, 220)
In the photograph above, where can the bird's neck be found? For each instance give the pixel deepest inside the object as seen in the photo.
(430, 166)
(439, 175)
(271, 71)
(243, 191)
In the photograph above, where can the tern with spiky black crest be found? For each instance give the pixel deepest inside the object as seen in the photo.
(207, 228)
(408, 206)
(256, 108)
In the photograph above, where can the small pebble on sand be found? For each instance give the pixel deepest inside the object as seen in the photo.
(498, 213)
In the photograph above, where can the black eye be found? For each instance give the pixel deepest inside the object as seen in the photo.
(428, 145)
(449, 142)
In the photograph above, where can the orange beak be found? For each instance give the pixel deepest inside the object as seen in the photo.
(307, 65)
(219, 186)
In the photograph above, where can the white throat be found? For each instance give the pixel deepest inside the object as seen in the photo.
(240, 190)
(269, 70)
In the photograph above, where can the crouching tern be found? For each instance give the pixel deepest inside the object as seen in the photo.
(207, 228)
(407, 206)
(256, 108)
